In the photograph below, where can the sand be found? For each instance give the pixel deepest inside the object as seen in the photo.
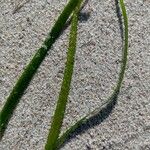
(95, 74)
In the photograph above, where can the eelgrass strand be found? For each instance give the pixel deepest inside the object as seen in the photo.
(30, 70)
(65, 87)
(83, 120)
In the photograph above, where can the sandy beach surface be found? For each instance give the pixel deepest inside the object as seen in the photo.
(24, 24)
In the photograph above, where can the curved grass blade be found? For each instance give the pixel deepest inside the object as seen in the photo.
(65, 87)
(85, 119)
(32, 67)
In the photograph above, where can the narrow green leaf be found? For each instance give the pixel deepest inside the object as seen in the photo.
(83, 120)
(30, 70)
(65, 87)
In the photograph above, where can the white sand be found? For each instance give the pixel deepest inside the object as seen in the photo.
(95, 74)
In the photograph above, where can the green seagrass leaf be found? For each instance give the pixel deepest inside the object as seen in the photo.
(113, 97)
(65, 87)
(25, 78)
